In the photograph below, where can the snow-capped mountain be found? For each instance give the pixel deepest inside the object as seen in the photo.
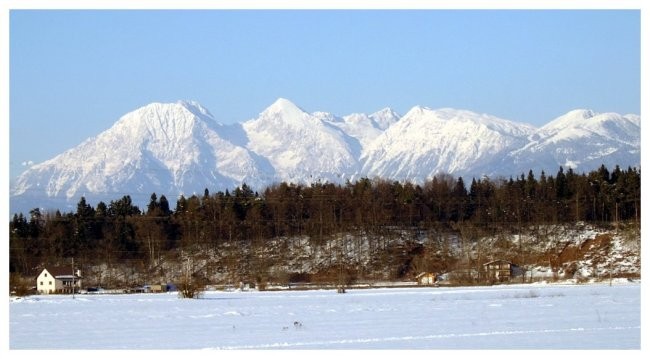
(178, 148)
(163, 148)
(364, 128)
(581, 139)
(301, 147)
(427, 142)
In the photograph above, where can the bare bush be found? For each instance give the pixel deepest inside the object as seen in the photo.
(463, 277)
(189, 287)
(19, 286)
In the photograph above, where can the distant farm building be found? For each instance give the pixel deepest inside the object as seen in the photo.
(426, 278)
(157, 288)
(499, 271)
(151, 288)
(58, 280)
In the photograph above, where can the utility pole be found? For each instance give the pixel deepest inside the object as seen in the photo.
(73, 275)
(577, 209)
(616, 215)
(187, 272)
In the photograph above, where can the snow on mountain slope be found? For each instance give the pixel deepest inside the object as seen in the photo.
(301, 147)
(582, 140)
(165, 148)
(426, 142)
(385, 118)
(179, 148)
(364, 128)
(586, 123)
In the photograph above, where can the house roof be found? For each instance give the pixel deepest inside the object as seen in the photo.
(424, 274)
(497, 261)
(60, 271)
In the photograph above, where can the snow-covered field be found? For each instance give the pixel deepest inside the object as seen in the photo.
(538, 316)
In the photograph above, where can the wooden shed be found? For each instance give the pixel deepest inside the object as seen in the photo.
(499, 271)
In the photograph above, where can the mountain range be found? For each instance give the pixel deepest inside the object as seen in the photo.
(179, 148)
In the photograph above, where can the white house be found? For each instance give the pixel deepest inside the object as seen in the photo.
(58, 280)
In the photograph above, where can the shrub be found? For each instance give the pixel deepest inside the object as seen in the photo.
(190, 288)
(19, 286)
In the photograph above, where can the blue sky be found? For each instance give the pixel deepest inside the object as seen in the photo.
(74, 73)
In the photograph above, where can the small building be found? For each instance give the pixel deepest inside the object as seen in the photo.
(58, 280)
(426, 278)
(158, 288)
(499, 271)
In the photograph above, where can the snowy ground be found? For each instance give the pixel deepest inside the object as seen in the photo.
(540, 316)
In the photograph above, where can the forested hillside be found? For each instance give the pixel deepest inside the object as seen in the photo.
(368, 229)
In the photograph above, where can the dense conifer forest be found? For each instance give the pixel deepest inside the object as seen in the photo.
(121, 233)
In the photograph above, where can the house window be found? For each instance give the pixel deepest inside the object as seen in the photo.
(45, 274)
(41, 283)
(50, 283)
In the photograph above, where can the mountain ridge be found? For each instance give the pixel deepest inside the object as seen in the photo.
(179, 148)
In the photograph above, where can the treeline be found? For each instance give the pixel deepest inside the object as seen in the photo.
(120, 230)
